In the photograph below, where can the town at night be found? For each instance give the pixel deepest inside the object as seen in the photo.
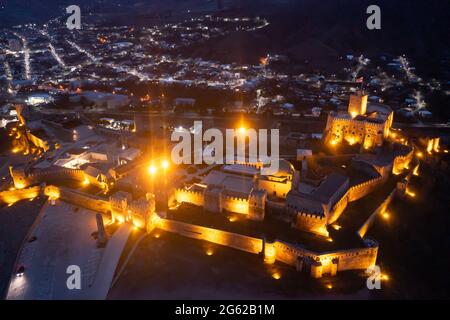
(224, 150)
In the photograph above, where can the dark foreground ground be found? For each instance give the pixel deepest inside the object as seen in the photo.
(15, 221)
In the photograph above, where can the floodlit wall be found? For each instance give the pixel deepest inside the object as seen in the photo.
(381, 208)
(351, 259)
(234, 204)
(355, 131)
(188, 196)
(402, 162)
(229, 239)
(12, 196)
(23, 179)
(81, 199)
(279, 189)
(38, 142)
(311, 223)
(216, 202)
(359, 191)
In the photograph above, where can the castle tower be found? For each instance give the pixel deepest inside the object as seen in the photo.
(256, 204)
(20, 177)
(357, 104)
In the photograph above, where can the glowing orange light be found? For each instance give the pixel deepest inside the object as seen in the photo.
(386, 216)
(209, 252)
(329, 286)
(410, 193)
(416, 171)
(276, 275)
(419, 154)
(264, 61)
(165, 164)
(152, 169)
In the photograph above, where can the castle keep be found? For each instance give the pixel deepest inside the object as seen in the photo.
(366, 125)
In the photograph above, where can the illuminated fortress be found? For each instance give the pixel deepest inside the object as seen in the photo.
(312, 205)
(238, 188)
(363, 124)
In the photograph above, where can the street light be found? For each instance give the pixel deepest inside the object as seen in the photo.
(165, 164)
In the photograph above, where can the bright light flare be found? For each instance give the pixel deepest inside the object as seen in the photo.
(152, 169)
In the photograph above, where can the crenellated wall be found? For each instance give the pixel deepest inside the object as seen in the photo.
(402, 162)
(235, 204)
(379, 210)
(23, 178)
(215, 200)
(311, 223)
(369, 134)
(189, 196)
(324, 263)
(275, 188)
(338, 208)
(350, 259)
(229, 239)
(78, 198)
(359, 191)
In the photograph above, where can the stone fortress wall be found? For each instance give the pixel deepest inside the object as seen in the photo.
(23, 178)
(304, 220)
(354, 193)
(401, 162)
(219, 201)
(354, 131)
(142, 214)
(11, 196)
(317, 264)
